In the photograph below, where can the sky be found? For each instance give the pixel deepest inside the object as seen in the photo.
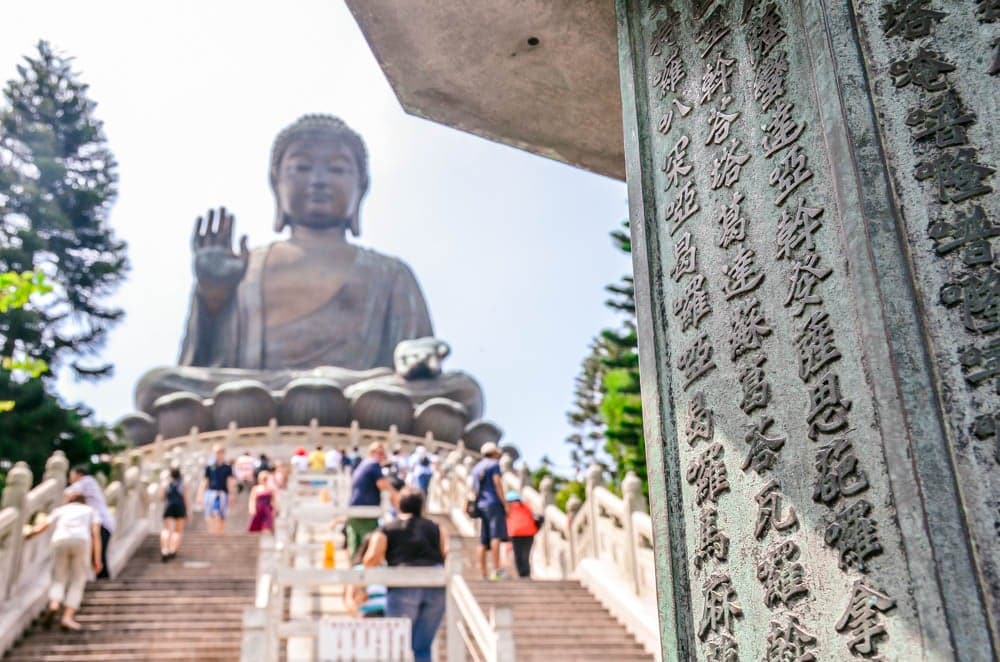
(511, 249)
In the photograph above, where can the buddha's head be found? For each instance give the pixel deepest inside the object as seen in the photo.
(319, 174)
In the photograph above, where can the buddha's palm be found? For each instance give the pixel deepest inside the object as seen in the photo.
(217, 268)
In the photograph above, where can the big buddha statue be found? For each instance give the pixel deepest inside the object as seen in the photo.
(312, 304)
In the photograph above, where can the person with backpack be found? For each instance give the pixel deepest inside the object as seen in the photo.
(491, 508)
(522, 526)
(174, 516)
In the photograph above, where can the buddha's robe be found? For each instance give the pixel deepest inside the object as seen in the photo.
(348, 338)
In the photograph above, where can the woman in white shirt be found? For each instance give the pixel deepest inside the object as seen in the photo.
(76, 545)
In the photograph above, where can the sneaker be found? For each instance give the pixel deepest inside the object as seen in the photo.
(499, 576)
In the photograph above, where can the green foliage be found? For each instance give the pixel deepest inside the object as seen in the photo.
(57, 183)
(607, 404)
(569, 489)
(47, 425)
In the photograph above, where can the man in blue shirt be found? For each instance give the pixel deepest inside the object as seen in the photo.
(487, 484)
(367, 484)
(215, 489)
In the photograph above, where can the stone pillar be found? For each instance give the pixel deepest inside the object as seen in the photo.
(813, 210)
(15, 494)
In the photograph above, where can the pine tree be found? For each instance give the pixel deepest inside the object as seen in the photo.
(607, 403)
(57, 183)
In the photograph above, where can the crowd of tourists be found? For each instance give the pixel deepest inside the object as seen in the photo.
(83, 525)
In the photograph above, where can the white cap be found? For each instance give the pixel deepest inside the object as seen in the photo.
(489, 448)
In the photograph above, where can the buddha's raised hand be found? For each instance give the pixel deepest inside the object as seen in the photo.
(217, 268)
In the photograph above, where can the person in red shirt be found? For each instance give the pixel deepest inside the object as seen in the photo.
(521, 527)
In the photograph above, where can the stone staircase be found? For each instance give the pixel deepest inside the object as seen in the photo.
(188, 609)
(553, 620)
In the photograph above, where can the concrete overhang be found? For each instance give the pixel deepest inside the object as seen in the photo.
(539, 75)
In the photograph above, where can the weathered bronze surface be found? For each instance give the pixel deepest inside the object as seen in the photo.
(812, 192)
(311, 305)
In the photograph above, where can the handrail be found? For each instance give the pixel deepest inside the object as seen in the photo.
(605, 540)
(477, 625)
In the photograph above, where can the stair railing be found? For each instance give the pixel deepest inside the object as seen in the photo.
(605, 541)
(25, 562)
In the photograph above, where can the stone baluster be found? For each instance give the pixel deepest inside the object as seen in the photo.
(453, 564)
(354, 436)
(273, 434)
(573, 505)
(635, 502)
(15, 494)
(523, 476)
(594, 480)
(232, 433)
(393, 436)
(502, 620)
(313, 434)
(547, 490)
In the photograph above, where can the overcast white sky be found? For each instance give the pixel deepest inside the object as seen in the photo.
(511, 249)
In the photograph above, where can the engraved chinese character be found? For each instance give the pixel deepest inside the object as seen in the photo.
(734, 226)
(797, 229)
(712, 31)
(681, 108)
(675, 165)
(721, 606)
(748, 7)
(838, 473)
(926, 70)
(665, 123)
(769, 80)
(719, 122)
(699, 420)
(696, 360)
(979, 294)
(763, 38)
(852, 533)
(742, 274)
(943, 119)
(685, 258)
(789, 642)
(707, 473)
(726, 169)
(957, 175)
(815, 345)
(692, 304)
(806, 275)
(671, 74)
(747, 329)
(970, 231)
(663, 35)
(716, 77)
(862, 618)
(790, 173)
(712, 543)
(782, 131)
(981, 363)
(782, 576)
(987, 11)
(684, 206)
(769, 512)
(756, 390)
(763, 452)
(910, 19)
(828, 409)
(722, 648)
(995, 66)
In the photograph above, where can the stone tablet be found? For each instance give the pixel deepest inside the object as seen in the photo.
(813, 209)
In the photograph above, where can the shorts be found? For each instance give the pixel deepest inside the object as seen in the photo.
(216, 503)
(493, 525)
(175, 511)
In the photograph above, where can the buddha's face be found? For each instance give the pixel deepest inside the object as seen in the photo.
(318, 184)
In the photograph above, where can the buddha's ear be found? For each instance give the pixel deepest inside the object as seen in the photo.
(280, 221)
(356, 223)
